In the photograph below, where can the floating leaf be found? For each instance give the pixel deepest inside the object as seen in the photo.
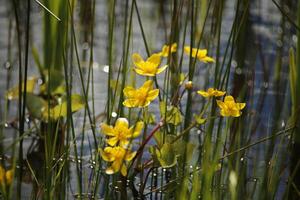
(61, 110)
(171, 114)
(13, 93)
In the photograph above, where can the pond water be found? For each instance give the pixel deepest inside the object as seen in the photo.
(266, 36)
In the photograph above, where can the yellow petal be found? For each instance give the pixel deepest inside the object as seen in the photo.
(137, 129)
(121, 123)
(241, 105)
(148, 84)
(106, 156)
(203, 93)
(129, 156)
(165, 51)
(145, 104)
(124, 170)
(107, 130)
(161, 69)
(143, 73)
(124, 143)
(152, 94)
(235, 113)
(174, 47)
(219, 93)
(116, 165)
(229, 99)
(187, 50)
(129, 91)
(221, 104)
(130, 103)
(137, 59)
(223, 113)
(206, 59)
(201, 53)
(112, 141)
(154, 59)
(9, 176)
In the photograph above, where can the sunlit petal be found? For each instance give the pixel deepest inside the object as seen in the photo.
(107, 130)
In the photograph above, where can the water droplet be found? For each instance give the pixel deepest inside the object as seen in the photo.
(95, 65)
(85, 46)
(27, 120)
(79, 161)
(91, 166)
(238, 71)
(40, 81)
(164, 169)
(114, 114)
(6, 125)
(242, 159)
(7, 65)
(154, 174)
(279, 43)
(234, 63)
(282, 123)
(191, 167)
(295, 38)
(106, 68)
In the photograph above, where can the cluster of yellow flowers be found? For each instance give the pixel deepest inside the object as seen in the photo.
(228, 107)
(141, 97)
(118, 150)
(6, 177)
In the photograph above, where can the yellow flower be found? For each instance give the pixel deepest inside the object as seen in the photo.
(211, 92)
(121, 132)
(230, 108)
(117, 155)
(201, 54)
(148, 67)
(166, 50)
(6, 176)
(140, 97)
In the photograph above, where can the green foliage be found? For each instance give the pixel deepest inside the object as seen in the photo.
(170, 113)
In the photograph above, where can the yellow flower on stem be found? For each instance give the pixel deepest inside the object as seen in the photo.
(201, 54)
(6, 177)
(121, 132)
(230, 108)
(166, 50)
(117, 155)
(211, 92)
(140, 97)
(148, 67)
